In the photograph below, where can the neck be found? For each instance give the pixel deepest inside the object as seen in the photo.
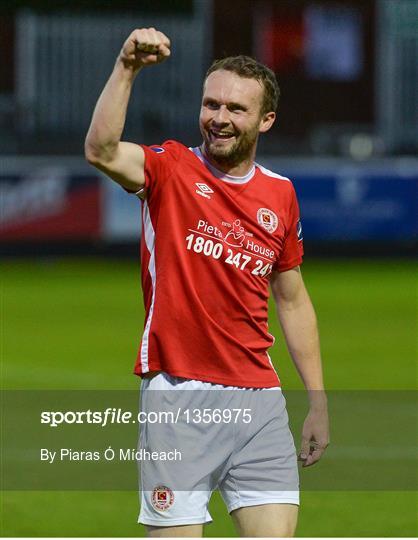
(234, 169)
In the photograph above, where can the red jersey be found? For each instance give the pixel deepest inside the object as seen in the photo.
(209, 244)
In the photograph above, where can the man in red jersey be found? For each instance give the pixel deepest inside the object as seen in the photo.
(218, 230)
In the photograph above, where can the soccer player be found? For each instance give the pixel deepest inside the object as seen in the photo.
(218, 230)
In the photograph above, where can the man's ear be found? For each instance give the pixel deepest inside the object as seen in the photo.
(267, 121)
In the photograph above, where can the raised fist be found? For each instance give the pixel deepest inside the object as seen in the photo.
(145, 47)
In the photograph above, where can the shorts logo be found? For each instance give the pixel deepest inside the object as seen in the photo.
(203, 190)
(157, 149)
(162, 498)
(267, 219)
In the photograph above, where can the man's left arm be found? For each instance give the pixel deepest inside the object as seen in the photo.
(298, 321)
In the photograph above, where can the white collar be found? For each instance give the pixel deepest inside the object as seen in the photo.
(220, 174)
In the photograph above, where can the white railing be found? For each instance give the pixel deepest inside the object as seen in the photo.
(63, 61)
(397, 74)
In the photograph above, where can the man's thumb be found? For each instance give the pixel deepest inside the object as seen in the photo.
(304, 450)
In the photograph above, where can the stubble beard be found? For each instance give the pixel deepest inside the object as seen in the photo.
(235, 154)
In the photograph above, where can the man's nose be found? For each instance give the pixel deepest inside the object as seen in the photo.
(222, 115)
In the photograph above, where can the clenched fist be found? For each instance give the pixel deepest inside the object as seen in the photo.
(145, 47)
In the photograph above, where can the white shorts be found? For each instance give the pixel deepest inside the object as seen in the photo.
(250, 463)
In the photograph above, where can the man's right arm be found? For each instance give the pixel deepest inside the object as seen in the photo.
(123, 161)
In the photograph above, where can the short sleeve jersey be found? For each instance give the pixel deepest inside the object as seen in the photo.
(209, 244)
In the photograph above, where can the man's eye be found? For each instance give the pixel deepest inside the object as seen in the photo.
(211, 105)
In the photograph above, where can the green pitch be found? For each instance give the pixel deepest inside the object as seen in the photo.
(77, 325)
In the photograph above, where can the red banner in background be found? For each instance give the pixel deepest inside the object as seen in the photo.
(50, 203)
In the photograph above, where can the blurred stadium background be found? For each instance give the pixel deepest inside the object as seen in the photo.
(347, 134)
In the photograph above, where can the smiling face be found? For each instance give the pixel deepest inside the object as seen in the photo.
(230, 118)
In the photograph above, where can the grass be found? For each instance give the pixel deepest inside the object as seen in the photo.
(76, 324)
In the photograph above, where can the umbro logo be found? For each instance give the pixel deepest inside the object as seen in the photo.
(203, 190)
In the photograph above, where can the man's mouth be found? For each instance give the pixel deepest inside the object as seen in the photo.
(216, 135)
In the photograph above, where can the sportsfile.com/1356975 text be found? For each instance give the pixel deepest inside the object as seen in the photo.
(114, 415)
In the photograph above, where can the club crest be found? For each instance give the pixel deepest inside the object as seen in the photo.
(267, 219)
(162, 498)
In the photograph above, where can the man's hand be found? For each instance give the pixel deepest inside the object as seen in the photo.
(145, 47)
(315, 436)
